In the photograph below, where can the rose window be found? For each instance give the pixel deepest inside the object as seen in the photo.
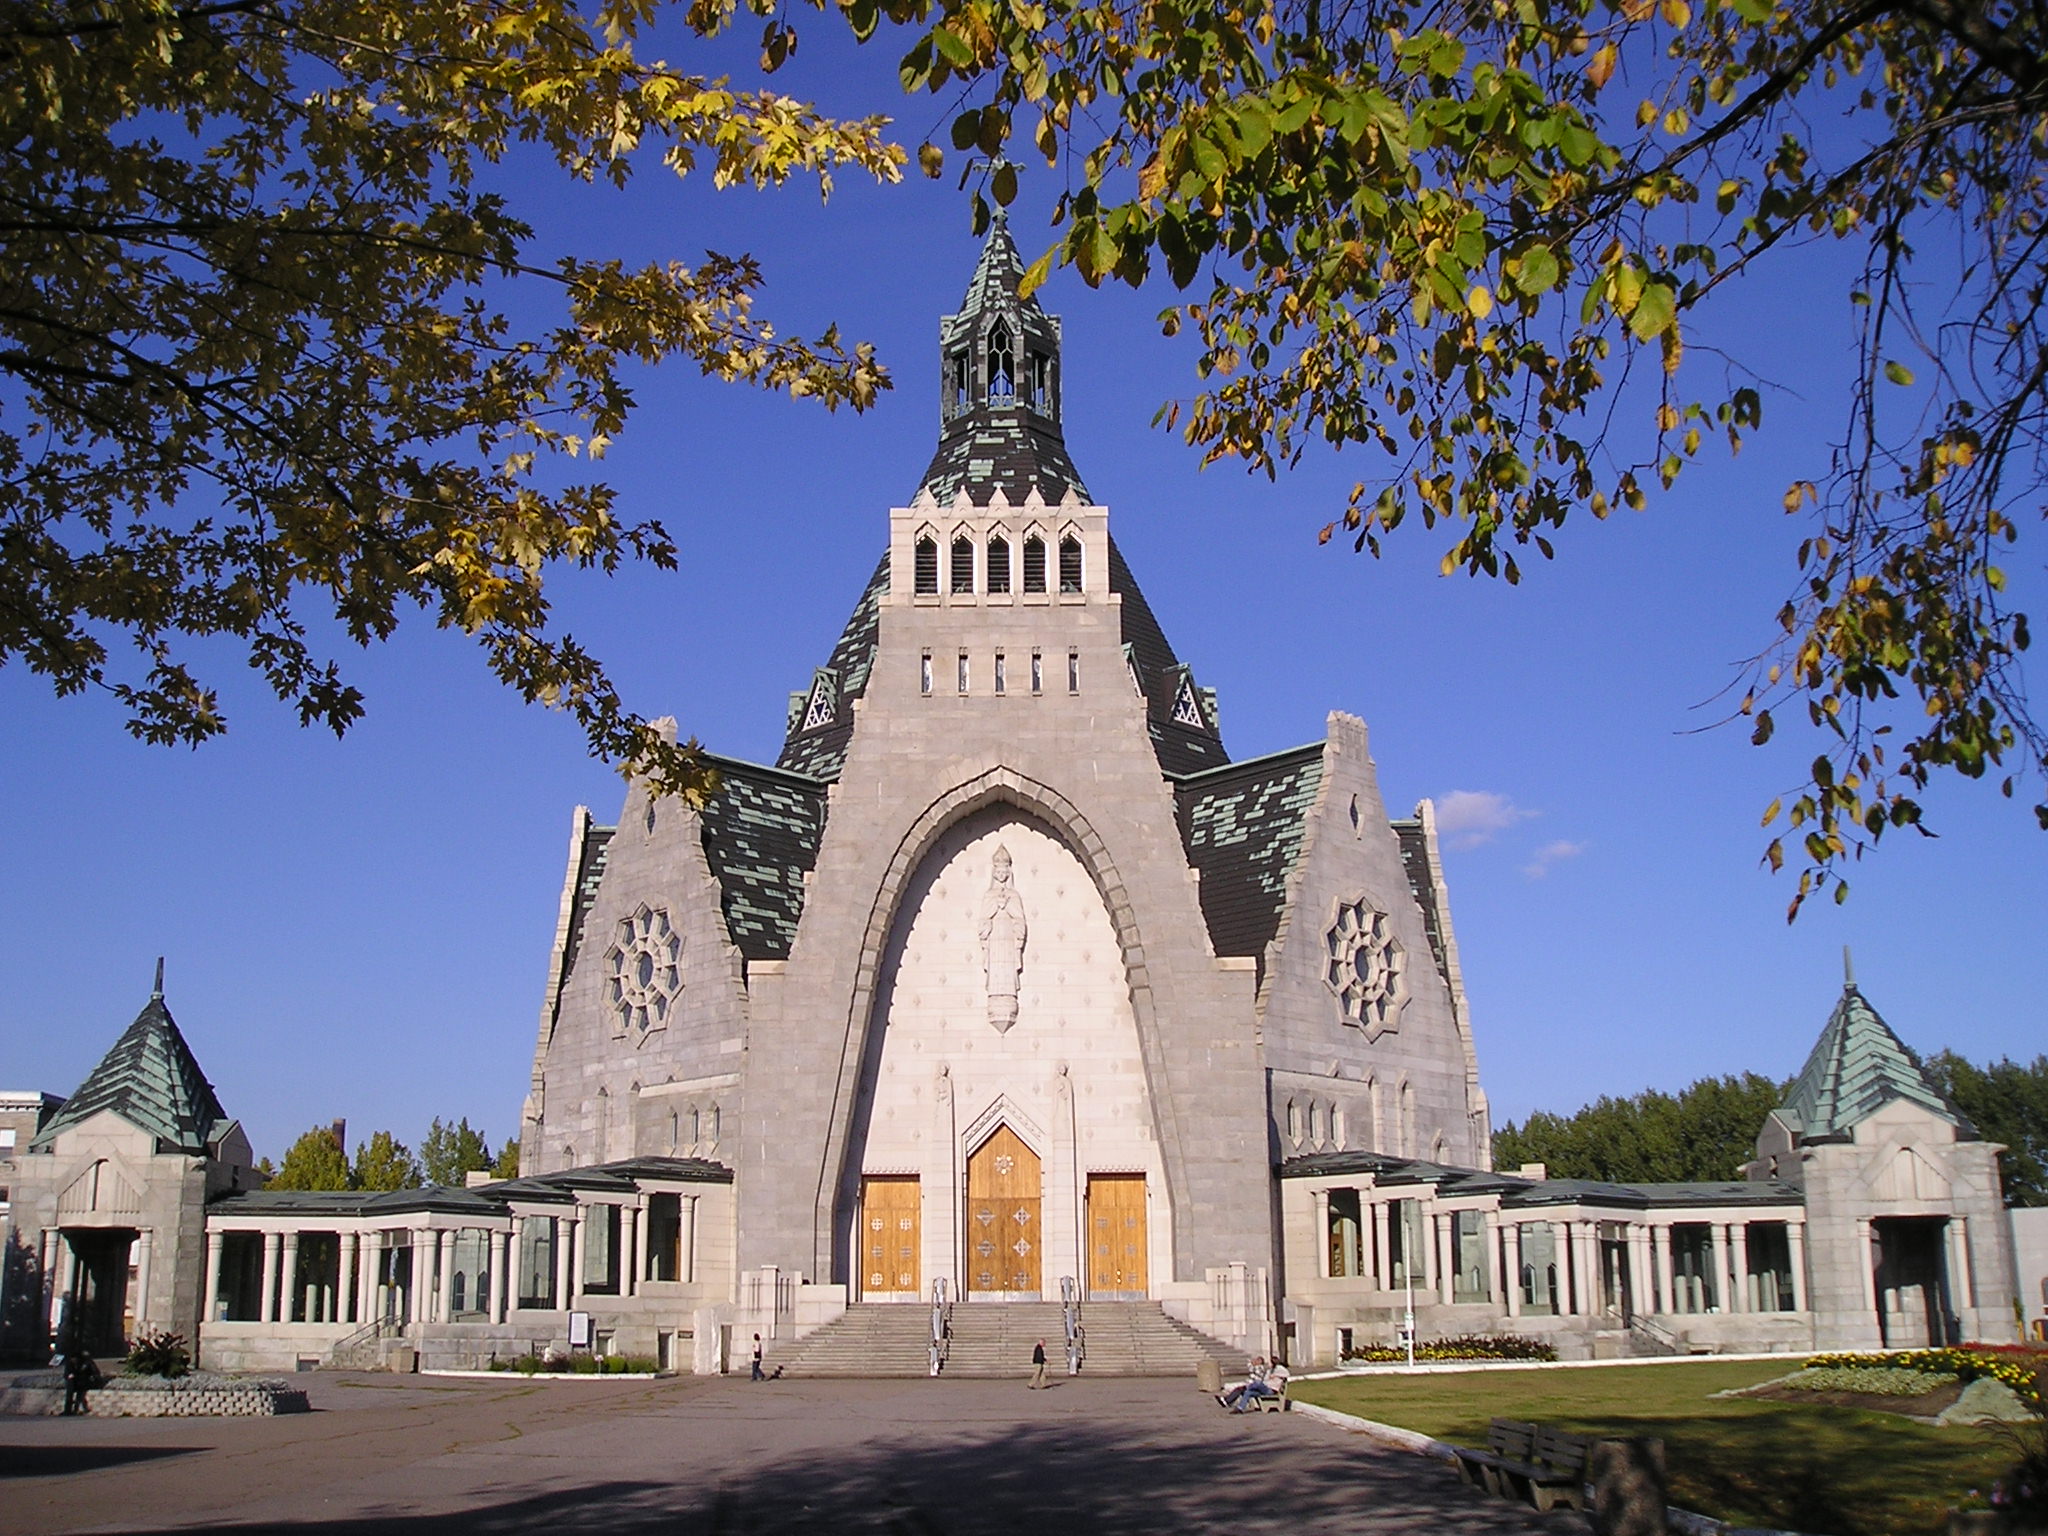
(645, 962)
(1367, 968)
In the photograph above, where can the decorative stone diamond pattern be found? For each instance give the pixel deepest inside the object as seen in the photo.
(645, 968)
(1368, 968)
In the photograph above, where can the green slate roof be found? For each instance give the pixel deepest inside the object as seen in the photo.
(151, 1080)
(1242, 826)
(1857, 1067)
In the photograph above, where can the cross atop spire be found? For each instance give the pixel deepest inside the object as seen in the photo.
(999, 389)
(158, 995)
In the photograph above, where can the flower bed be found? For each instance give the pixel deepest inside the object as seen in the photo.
(2017, 1367)
(1464, 1346)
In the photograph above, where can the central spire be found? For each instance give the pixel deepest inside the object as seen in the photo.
(999, 390)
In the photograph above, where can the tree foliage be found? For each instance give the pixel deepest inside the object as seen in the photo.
(1705, 1132)
(256, 369)
(450, 1152)
(385, 1163)
(1475, 238)
(507, 1164)
(315, 1161)
(2008, 1103)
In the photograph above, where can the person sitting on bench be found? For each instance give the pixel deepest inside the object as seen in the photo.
(1272, 1382)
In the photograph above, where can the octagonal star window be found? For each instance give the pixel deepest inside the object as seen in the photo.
(645, 969)
(1367, 969)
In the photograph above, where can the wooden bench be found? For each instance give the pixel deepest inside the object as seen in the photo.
(1274, 1404)
(1545, 1467)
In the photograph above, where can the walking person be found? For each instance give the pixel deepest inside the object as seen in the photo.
(757, 1376)
(1038, 1365)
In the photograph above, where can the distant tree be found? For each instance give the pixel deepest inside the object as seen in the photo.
(507, 1165)
(451, 1151)
(2008, 1103)
(265, 1170)
(384, 1163)
(315, 1161)
(1705, 1132)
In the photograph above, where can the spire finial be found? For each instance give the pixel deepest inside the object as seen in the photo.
(1848, 970)
(158, 995)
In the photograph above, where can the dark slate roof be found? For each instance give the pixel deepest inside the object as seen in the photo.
(590, 862)
(1242, 826)
(492, 1199)
(1414, 841)
(1857, 1067)
(761, 833)
(1182, 749)
(821, 751)
(150, 1079)
(985, 444)
(1517, 1193)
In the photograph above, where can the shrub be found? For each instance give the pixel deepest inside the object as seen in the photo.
(158, 1352)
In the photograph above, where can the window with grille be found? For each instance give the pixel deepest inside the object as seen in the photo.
(927, 567)
(999, 565)
(963, 566)
(963, 671)
(1002, 367)
(924, 674)
(1037, 673)
(1073, 671)
(1070, 564)
(1002, 676)
(1034, 564)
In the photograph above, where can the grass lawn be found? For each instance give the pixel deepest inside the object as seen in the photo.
(1827, 1471)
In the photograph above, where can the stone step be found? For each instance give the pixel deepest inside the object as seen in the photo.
(994, 1340)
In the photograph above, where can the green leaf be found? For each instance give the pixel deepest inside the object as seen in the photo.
(1004, 184)
(953, 48)
(1898, 373)
(1035, 275)
(1655, 313)
(1536, 272)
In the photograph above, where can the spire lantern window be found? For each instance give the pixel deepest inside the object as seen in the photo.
(963, 566)
(1034, 564)
(1002, 367)
(927, 567)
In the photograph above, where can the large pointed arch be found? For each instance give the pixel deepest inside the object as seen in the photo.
(997, 785)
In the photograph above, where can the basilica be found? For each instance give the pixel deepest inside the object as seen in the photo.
(1004, 984)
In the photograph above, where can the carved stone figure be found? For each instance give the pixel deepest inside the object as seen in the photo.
(1003, 931)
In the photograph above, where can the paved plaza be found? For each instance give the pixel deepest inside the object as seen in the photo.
(392, 1456)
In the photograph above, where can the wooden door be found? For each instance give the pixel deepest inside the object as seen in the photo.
(1002, 1216)
(1116, 1234)
(889, 1235)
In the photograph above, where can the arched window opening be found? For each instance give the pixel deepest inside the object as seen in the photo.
(963, 566)
(1002, 367)
(927, 567)
(999, 564)
(1041, 384)
(1070, 564)
(1034, 564)
(956, 384)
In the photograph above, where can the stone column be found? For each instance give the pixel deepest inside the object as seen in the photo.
(145, 1244)
(444, 1271)
(1586, 1266)
(1717, 1265)
(564, 1244)
(1962, 1280)
(1866, 1262)
(1490, 1230)
(1426, 1281)
(347, 1286)
(686, 1240)
(1319, 1200)
(422, 1308)
(1660, 1249)
(209, 1305)
(636, 1248)
(1795, 1239)
(273, 1243)
(1738, 1261)
(501, 1274)
(367, 1249)
(1511, 1251)
(1446, 1226)
(1371, 1236)
(288, 1274)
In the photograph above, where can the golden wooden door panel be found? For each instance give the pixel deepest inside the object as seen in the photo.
(1003, 1204)
(1116, 1233)
(889, 1235)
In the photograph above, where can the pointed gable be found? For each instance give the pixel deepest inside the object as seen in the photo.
(1857, 1067)
(151, 1080)
(816, 744)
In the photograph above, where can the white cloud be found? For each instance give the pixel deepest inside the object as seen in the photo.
(1550, 854)
(1469, 817)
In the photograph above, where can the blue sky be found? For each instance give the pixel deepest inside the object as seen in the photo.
(361, 928)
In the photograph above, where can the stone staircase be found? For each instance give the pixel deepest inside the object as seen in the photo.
(993, 1340)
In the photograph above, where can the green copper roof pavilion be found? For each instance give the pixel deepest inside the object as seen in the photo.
(150, 1079)
(1857, 1067)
